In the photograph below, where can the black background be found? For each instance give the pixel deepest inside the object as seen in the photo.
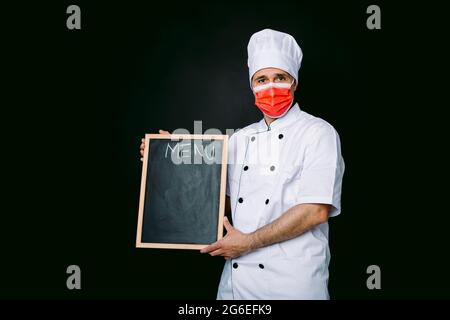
(76, 104)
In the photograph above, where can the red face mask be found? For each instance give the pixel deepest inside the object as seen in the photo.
(273, 99)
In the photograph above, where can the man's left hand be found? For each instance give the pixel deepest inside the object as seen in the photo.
(233, 245)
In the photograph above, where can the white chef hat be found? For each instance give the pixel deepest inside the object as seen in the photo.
(273, 49)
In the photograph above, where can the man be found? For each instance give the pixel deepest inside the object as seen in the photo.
(284, 181)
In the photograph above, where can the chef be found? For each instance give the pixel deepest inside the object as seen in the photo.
(284, 182)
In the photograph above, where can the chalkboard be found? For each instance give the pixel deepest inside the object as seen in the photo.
(182, 199)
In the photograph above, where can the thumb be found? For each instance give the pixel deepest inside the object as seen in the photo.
(227, 224)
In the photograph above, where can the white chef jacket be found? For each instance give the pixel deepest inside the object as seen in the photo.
(297, 159)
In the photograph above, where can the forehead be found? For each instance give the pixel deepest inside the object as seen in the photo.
(269, 73)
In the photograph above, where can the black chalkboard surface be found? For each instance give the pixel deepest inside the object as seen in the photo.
(182, 200)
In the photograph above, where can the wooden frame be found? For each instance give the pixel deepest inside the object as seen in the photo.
(223, 177)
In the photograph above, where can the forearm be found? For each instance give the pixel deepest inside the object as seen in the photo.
(291, 224)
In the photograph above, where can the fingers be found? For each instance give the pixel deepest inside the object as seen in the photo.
(211, 247)
(216, 252)
(227, 224)
(142, 148)
(221, 252)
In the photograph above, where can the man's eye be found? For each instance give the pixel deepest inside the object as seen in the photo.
(261, 80)
(281, 78)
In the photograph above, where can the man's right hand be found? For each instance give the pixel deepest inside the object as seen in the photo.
(142, 147)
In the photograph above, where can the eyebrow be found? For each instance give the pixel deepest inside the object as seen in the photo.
(259, 78)
(276, 74)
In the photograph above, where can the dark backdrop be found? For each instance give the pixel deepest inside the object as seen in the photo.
(76, 104)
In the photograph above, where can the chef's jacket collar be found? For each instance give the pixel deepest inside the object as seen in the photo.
(292, 115)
